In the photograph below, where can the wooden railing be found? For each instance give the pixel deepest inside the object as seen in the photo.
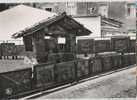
(24, 82)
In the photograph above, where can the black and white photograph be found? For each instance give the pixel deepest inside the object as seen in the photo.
(68, 50)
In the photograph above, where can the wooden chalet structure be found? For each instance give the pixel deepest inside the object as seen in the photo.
(61, 31)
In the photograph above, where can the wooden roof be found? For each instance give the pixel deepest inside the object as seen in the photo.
(111, 22)
(64, 21)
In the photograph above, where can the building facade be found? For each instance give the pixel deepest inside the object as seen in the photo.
(75, 8)
(125, 12)
(122, 11)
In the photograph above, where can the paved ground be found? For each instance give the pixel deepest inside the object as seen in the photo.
(11, 65)
(117, 85)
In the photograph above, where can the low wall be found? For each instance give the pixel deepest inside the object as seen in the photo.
(88, 46)
(120, 44)
(102, 46)
(45, 76)
(15, 82)
(123, 44)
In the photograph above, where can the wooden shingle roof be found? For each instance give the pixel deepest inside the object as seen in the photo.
(23, 20)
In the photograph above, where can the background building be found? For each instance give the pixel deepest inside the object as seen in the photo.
(125, 12)
(122, 11)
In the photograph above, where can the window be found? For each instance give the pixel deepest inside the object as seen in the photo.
(28, 43)
(131, 10)
(48, 9)
(92, 10)
(128, 11)
(103, 11)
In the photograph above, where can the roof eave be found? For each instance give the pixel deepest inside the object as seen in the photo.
(37, 27)
(47, 23)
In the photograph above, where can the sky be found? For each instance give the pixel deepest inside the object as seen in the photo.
(20, 18)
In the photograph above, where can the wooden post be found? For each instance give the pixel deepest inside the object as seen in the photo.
(71, 43)
(39, 46)
(68, 40)
(0, 52)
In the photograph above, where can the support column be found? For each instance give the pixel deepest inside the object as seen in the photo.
(68, 43)
(39, 46)
(0, 52)
(71, 44)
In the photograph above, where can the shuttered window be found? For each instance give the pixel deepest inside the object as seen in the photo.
(28, 43)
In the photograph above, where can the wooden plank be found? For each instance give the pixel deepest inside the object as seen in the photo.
(0, 52)
(132, 45)
(65, 71)
(132, 58)
(57, 30)
(82, 68)
(106, 58)
(20, 50)
(15, 82)
(97, 65)
(102, 46)
(120, 44)
(107, 63)
(8, 49)
(51, 45)
(44, 75)
(68, 57)
(39, 46)
(125, 60)
(72, 24)
(85, 46)
(116, 61)
(28, 43)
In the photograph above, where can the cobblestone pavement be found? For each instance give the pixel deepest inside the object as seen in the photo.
(117, 85)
